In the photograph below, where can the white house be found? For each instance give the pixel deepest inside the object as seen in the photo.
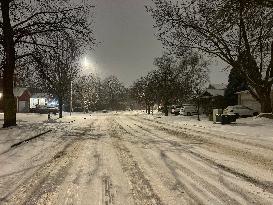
(246, 99)
(38, 99)
(214, 90)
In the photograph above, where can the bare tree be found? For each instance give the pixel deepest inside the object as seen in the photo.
(199, 77)
(174, 81)
(179, 79)
(23, 25)
(237, 31)
(87, 92)
(113, 93)
(144, 91)
(58, 67)
(267, 3)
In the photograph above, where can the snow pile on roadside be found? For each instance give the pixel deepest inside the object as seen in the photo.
(265, 115)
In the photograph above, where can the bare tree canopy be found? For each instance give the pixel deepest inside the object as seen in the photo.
(174, 81)
(93, 93)
(268, 3)
(87, 93)
(25, 25)
(57, 68)
(239, 32)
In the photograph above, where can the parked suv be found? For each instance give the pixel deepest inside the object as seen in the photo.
(188, 110)
(240, 111)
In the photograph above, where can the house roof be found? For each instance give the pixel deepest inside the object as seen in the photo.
(213, 92)
(247, 91)
(243, 91)
(221, 86)
(18, 91)
(39, 95)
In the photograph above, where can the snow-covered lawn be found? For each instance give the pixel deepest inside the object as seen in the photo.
(250, 126)
(32, 124)
(28, 125)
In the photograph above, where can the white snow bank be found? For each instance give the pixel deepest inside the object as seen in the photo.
(31, 124)
(28, 125)
(251, 126)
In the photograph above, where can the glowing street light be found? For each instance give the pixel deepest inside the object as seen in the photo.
(88, 65)
(85, 62)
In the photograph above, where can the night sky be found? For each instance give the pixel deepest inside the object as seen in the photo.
(128, 45)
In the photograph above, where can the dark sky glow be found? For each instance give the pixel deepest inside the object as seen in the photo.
(128, 45)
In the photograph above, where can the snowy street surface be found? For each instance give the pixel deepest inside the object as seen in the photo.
(131, 158)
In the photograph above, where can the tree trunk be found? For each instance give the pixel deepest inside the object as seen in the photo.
(262, 95)
(146, 108)
(9, 67)
(265, 100)
(166, 111)
(198, 109)
(149, 109)
(60, 107)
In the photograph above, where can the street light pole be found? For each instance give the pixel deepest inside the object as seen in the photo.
(71, 97)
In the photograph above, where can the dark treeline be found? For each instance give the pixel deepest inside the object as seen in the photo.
(91, 93)
(174, 81)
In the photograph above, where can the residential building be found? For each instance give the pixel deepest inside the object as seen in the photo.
(40, 99)
(213, 98)
(246, 99)
(21, 95)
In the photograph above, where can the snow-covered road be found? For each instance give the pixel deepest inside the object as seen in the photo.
(121, 158)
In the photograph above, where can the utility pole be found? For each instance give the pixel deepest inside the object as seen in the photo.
(71, 97)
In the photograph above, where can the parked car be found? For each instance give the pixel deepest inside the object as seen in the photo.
(240, 111)
(43, 109)
(175, 109)
(188, 110)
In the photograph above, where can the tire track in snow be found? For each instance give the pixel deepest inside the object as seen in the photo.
(142, 191)
(264, 185)
(243, 152)
(24, 170)
(135, 131)
(45, 180)
(194, 192)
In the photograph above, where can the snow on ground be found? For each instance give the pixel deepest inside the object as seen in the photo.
(28, 125)
(251, 126)
(32, 124)
(19, 163)
(134, 158)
